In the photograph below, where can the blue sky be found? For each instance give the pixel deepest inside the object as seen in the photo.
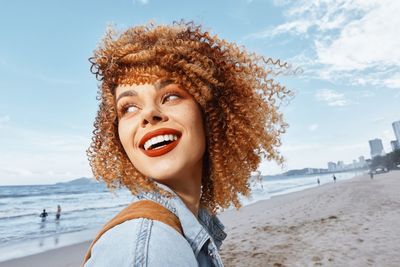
(348, 93)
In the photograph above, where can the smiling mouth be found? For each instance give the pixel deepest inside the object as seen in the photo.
(160, 142)
(160, 149)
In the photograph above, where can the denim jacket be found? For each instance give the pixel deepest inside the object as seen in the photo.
(145, 242)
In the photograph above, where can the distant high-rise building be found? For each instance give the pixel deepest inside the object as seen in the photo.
(376, 148)
(396, 129)
(340, 165)
(395, 145)
(362, 161)
(331, 166)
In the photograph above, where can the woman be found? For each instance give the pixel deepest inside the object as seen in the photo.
(184, 118)
(58, 213)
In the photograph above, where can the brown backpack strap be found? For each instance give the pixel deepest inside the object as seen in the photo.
(141, 209)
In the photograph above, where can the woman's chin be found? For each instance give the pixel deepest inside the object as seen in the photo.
(163, 173)
(166, 180)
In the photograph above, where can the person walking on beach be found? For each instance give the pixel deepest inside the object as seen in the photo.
(58, 213)
(371, 175)
(184, 118)
(318, 181)
(334, 178)
(43, 215)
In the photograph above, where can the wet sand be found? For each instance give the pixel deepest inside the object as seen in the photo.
(69, 256)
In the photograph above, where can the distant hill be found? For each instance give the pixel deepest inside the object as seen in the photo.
(304, 171)
(79, 181)
(299, 172)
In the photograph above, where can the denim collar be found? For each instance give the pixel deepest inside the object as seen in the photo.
(196, 231)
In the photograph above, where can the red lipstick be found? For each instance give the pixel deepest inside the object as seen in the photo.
(166, 148)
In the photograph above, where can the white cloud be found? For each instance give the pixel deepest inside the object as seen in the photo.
(4, 120)
(54, 142)
(36, 157)
(332, 98)
(387, 136)
(366, 42)
(325, 15)
(378, 120)
(349, 148)
(393, 81)
(313, 127)
(301, 147)
(321, 16)
(351, 40)
(298, 27)
(315, 155)
(15, 172)
(366, 93)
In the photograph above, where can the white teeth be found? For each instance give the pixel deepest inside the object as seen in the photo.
(146, 145)
(159, 139)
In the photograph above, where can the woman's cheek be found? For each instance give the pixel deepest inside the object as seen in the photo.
(123, 135)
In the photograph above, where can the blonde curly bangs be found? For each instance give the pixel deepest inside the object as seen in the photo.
(237, 95)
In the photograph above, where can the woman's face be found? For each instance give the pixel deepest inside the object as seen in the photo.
(161, 129)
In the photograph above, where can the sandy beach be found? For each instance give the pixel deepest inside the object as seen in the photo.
(348, 223)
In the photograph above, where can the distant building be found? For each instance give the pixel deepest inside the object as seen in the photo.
(396, 129)
(340, 165)
(376, 148)
(362, 161)
(355, 164)
(395, 145)
(331, 166)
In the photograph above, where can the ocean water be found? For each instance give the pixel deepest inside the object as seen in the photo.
(86, 207)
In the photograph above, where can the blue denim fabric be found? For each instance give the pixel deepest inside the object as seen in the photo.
(144, 242)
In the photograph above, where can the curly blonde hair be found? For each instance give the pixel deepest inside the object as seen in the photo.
(238, 98)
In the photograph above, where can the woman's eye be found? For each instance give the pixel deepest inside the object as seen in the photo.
(127, 109)
(131, 109)
(171, 97)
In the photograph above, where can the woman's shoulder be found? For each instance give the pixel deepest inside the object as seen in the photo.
(144, 242)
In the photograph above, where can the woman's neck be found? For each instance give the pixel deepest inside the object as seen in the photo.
(191, 198)
(188, 187)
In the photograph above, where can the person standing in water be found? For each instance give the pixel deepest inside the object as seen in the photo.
(43, 215)
(58, 213)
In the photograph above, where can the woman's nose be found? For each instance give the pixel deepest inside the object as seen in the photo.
(153, 116)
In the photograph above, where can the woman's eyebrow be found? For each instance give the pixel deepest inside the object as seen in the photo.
(162, 83)
(158, 86)
(126, 93)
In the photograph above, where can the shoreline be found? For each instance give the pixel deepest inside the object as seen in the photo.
(260, 191)
(279, 210)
